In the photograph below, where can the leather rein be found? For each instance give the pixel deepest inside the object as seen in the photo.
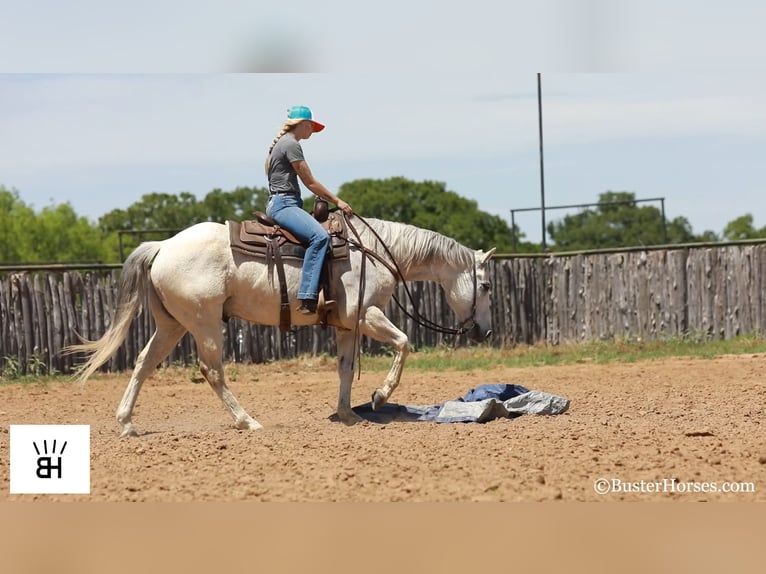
(393, 267)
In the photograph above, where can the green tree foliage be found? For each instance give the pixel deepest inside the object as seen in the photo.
(55, 234)
(236, 205)
(171, 213)
(743, 228)
(58, 234)
(707, 236)
(61, 235)
(176, 212)
(429, 205)
(617, 222)
(15, 218)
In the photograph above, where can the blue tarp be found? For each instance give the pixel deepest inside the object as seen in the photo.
(481, 404)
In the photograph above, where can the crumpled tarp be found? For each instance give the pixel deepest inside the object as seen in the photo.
(482, 404)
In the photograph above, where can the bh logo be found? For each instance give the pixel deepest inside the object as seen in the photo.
(50, 459)
(44, 463)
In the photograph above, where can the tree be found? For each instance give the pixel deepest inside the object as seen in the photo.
(617, 222)
(707, 236)
(679, 230)
(429, 205)
(167, 211)
(61, 235)
(15, 218)
(55, 234)
(742, 228)
(236, 205)
(171, 213)
(154, 211)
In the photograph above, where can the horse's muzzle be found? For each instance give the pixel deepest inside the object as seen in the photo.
(479, 335)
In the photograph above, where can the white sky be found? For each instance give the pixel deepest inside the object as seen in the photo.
(100, 104)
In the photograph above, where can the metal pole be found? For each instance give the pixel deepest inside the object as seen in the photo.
(664, 222)
(513, 229)
(542, 176)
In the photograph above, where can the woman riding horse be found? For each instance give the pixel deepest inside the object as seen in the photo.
(284, 164)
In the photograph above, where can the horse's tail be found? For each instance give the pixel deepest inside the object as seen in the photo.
(134, 283)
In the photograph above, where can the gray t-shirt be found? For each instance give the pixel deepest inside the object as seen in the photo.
(282, 176)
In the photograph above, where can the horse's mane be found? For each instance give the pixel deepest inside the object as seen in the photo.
(413, 245)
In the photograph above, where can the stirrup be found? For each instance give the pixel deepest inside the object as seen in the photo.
(326, 304)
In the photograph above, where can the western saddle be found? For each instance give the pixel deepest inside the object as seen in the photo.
(263, 238)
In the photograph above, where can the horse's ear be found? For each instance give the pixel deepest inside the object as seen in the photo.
(482, 258)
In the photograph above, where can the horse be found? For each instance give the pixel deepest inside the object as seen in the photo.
(194, 281)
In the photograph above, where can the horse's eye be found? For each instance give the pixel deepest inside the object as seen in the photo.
(485, 286)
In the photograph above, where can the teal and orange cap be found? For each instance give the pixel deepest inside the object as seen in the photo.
(304, 113)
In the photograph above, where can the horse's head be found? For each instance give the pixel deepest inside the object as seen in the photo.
(468, 296)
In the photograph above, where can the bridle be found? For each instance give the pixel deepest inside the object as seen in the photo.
(393, 267)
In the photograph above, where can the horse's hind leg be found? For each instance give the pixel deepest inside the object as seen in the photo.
(377, 326)
(159, 346)
(210, 347)
(167, 333)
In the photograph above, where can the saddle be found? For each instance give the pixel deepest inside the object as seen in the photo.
(263, 238)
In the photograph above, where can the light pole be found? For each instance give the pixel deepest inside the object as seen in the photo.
(542, 175)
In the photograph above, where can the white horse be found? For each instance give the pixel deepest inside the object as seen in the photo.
(194, 280)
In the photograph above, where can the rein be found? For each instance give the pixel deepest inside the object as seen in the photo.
(393, 267)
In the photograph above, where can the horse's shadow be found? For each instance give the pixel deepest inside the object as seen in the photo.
(388, 413)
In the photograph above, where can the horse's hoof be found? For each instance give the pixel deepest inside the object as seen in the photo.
(378, 399)
(350, 419)
(248, 424)
(128, 432)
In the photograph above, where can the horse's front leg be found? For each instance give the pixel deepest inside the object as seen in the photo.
(377, 326)
(345, 344)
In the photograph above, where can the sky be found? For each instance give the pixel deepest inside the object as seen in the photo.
(102, 105)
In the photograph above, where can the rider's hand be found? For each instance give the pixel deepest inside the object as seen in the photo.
(345, 207)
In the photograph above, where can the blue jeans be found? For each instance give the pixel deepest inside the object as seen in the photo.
(287, 210)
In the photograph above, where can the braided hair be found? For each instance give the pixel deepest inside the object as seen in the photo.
(286, 127)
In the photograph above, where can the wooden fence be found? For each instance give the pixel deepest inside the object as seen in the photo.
(650, 294)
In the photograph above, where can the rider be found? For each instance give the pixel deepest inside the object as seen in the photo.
(284, 165)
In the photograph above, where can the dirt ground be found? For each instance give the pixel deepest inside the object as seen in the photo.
(677, 425)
